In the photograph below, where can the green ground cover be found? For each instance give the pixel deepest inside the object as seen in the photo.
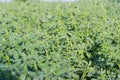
(60, 41)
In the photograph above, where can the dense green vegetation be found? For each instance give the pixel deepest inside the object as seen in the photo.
(60, 41)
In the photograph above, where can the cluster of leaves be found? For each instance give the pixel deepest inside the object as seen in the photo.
(60, 41)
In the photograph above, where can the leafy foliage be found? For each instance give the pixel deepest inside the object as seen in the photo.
(60, 41)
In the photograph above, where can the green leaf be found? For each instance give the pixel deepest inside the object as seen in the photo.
(23, 77)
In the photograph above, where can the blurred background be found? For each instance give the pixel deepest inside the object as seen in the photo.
(43, 0)
(5, 0)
